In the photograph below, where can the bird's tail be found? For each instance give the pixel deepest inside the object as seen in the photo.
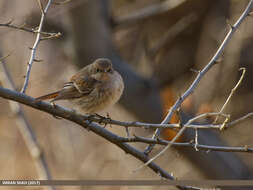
(48, 96)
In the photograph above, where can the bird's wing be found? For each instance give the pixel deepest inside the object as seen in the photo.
(69, 91)
(85, 85)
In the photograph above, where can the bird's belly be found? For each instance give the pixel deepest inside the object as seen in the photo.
(98, 100)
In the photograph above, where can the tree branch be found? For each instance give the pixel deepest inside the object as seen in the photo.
(31, 30)
(231, 94)
(86, 124)
(188, 144)
(36, 43)
(26, 130)
(195, 83)
(146, 12)
(175, 126)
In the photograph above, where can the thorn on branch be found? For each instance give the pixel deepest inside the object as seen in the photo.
(195, 71)
(250, 14)
(218, 60)
(4, 57)
(8, 23)
(21, 26)
(38, 60)
(127, 132)
(159, 139)
(50, 36)
(61, 3)
(180, 97)
(54, 106)
(179, 115)
(230, 25)
(196, 140)
(224, 123)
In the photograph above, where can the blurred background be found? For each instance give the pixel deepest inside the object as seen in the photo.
(155, 45)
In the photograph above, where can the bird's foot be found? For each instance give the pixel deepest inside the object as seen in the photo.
(54, 106)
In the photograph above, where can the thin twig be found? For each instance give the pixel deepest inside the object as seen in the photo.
(31, 30)
(202, 73)
(171, 126)
(231, 93)
(36, 43)
(180, 132)
(26, 129)
(239, 120)
(208, 148)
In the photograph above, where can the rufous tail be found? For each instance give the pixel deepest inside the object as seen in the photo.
(48, 96)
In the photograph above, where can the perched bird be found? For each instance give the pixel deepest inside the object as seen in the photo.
(94, 88)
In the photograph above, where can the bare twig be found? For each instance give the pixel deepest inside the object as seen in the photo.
(239, 120)
(40, 6)
(31, 30)
(172, 126)
(26, 129)
(188, 144)
(36, 43)
(180, 132)
(55, 35)
(83, 122)
(231, 93)
(202, 73)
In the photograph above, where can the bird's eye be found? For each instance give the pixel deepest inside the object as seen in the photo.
(98, 70)
(109, 70)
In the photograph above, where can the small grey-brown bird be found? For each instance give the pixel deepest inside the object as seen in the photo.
(94, 88)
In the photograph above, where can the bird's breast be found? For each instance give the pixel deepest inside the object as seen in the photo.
(103, 96)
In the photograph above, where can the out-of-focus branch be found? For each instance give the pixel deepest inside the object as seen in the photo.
(148, 11)
(173, 31)
(26, 129)
(195, 83)
(36, 43)
(62, 2)
(81, 120)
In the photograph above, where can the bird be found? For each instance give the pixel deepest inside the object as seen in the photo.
(93, 89)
